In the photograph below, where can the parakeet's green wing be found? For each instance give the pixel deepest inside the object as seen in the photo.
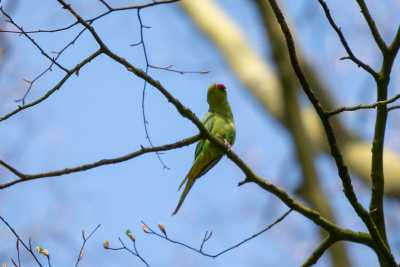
(208, 124)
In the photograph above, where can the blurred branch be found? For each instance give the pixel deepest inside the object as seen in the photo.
(372, 26)
(319, 251)
(260, 80)
(208, 235)
(393, 108)
(379, 239)
(22, 177)
(396, 41)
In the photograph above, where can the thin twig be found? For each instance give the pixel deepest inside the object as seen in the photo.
(55, 88)
(28, 248)
(32, 40)
(144, 88)
(208, 235)
(133, 252)
(143, 102)
(361, 106)
(343, 40)
(84, 240)
(170, 69)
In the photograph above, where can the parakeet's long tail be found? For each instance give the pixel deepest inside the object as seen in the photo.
(199, 168)
(188, 186)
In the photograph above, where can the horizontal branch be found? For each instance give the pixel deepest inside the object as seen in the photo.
(22, 177)
(361, 106)
(393, 108)
(109, 10)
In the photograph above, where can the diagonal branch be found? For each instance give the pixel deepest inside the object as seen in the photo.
(85, 239)
(396, 41)
(32, 40)
(343, 40)
(55, 88)
(372, 26)
(319, 251)
(28, 248)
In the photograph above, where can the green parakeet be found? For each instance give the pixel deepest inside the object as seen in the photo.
(219, 122)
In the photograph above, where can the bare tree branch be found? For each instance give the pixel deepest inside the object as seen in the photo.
(396, 41)
(22, 177)
(32, 40)
(372, 26)
(361, 106)
(123, 247)
(55, 88)
(84, 240)
(343, 40)
(319, 251)
(208, 235)
(28, 248)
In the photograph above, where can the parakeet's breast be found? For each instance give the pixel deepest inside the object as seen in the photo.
(224, 129)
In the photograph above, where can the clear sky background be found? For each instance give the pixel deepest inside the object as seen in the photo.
(98, 115)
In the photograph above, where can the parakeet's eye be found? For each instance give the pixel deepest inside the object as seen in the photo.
(220, 86)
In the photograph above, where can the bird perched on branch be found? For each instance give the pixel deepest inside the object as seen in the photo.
(219, 122)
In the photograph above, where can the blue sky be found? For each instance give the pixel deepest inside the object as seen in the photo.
(98, 115)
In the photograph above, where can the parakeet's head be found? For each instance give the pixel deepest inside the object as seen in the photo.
(216, 94)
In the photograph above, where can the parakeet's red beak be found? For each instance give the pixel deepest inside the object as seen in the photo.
(220, 86)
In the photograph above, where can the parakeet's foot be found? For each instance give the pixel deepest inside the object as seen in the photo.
(227, 145)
